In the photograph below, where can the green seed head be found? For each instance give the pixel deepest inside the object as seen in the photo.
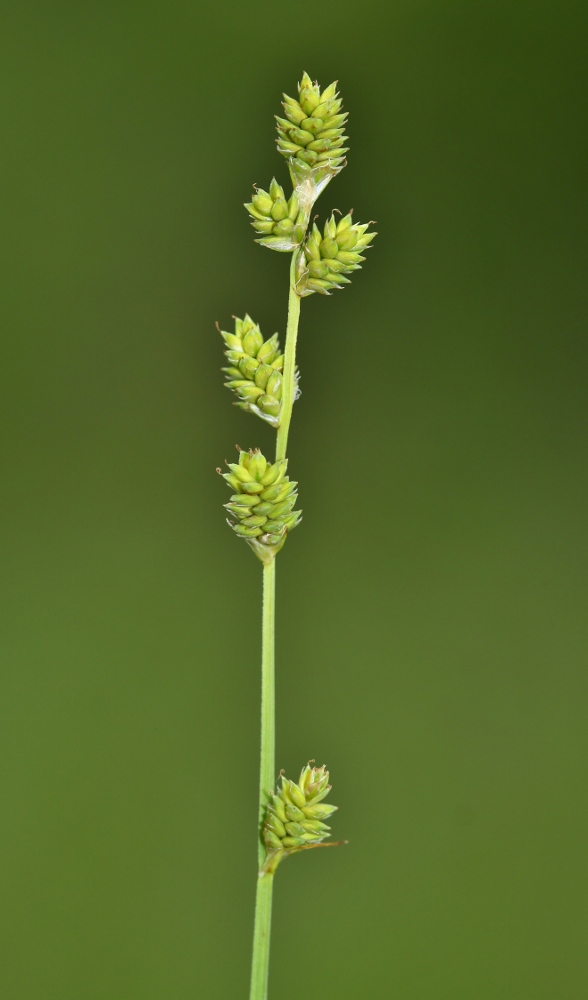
(261, 507)
(329, 256)
(295, 814)
(279, 221)
(255, 370)
(310, 137)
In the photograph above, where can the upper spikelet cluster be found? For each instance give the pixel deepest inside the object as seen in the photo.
(311, 138)
(313, 128)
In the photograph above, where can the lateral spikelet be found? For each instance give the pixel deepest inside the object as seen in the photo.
(255, 369)
(262, 507)
(279, 221)
(327, 258)
(295, 814)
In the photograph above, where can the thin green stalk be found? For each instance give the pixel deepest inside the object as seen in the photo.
(261, 937)
(268, 697)
(289, 383)
(263, 899)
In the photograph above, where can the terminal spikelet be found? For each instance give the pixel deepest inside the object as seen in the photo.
(311, 138)
(255, 369)
(328, 258)
(262, 506)
(295, 815)
(280, 221)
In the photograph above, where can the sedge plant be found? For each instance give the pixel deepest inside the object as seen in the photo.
(262, 508)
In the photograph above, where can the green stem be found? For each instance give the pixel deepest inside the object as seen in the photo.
(263, 899)
(289, 382)
(268, 698)
(261, 937)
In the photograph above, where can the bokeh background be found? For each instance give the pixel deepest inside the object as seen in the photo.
(432, 607)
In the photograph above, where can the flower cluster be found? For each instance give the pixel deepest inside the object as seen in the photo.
(280, 222)
(311, 138)
(262, 506)
(295, 813)
(255, 369)
(313, 128)
(328, 257)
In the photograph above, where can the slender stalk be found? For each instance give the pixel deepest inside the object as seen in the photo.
(261, 937)
(289, 382)
(263, 899)
(268, 698)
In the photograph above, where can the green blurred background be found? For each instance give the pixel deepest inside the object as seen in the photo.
(432, 608)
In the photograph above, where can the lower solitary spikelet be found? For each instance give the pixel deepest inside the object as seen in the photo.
(255, 369)
(329, 257)
(280, 222)
(295, 814)
(262, 506)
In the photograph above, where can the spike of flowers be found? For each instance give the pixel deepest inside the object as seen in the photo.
(311, 138)
(328, 258)
(262, 506)
(255, 369)
(295, 814)
(280, 221)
